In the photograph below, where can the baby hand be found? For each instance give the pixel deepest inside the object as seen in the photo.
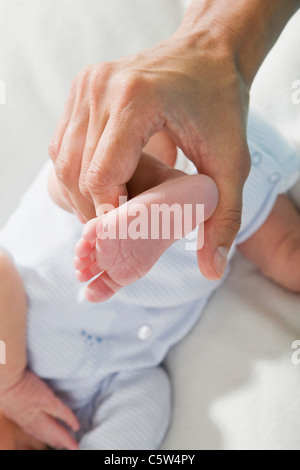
(32, 405)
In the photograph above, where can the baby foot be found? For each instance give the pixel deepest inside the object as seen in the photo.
(123, 245)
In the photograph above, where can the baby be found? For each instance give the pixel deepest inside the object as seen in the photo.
(89, 375)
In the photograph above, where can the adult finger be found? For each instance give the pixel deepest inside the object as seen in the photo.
(68, 161)
(55, 144)
(117, 155)
(97, 123)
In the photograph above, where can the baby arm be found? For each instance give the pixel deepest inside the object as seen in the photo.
(12, 322)
(24, 398)
(275, 247)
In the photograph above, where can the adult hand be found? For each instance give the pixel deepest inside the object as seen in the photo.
(195, 85)
(113, 110)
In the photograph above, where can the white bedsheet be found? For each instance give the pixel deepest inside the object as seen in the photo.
(235, 386)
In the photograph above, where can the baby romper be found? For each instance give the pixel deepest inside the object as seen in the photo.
(104, 360)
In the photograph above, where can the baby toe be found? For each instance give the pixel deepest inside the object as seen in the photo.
(82, 263)
(87, 274)
(101, 289)
(84, 248)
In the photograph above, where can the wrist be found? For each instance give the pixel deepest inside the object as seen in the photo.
(242, 31)
(9, 383)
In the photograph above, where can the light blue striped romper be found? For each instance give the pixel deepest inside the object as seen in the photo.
(104, 360)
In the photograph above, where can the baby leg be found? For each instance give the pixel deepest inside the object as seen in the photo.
(275, 247)
(123, 260)
(133, 413)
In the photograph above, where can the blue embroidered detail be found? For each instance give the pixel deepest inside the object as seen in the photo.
(90, 339)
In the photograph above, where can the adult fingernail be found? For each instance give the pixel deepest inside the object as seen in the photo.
(220, 260)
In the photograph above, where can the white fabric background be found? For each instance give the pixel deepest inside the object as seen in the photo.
(234, 384)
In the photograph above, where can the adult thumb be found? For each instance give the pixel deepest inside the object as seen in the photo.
(222, 228)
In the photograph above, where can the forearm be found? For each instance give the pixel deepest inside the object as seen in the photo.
(247, 29)
(12, 323)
